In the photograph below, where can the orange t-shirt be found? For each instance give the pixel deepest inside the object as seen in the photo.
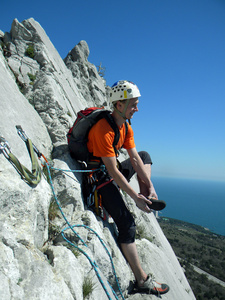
(101, 138)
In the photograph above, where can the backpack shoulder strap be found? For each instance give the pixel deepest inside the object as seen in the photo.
(114, 126)
(126, 127)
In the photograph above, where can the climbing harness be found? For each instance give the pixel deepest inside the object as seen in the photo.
(35, 177)
(90, 190)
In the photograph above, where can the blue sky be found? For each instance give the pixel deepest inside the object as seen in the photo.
(174, 50)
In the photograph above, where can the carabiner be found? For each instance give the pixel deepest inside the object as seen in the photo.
(4, 147)
(24, 137)
(21, 133)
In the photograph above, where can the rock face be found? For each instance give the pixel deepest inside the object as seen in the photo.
(43, 93)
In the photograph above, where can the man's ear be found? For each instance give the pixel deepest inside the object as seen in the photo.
(119, 104)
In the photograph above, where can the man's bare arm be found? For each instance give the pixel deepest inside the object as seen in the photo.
(143, 173)
(111, 166)
(139, 166)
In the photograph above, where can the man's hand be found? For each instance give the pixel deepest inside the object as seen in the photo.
(152, 192)
(142, 203)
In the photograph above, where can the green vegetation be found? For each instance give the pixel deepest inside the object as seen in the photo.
(88, 287)
(53, 210)
(30, 51)
(19, 84)
(45, 171)
(69, 114)
(141, 233)
(32, 78)
(198, 246)
(5, 48)
(74, 250)
(203, 288)
(53, 231)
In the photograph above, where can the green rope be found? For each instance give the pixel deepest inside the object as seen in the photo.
(32, 177)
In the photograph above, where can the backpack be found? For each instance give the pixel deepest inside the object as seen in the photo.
(77, 136)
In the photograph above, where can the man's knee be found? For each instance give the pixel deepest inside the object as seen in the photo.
(127, 236)
(146, 158)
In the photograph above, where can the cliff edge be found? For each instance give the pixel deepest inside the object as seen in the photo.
(43, 93)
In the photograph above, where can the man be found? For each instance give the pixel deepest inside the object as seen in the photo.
(124, 97)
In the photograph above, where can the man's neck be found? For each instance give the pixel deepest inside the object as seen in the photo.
(118, 119)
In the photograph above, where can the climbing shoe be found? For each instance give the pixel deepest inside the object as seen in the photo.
(157, 204)
(151, 287)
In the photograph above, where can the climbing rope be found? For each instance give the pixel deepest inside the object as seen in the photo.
(93, 263)
(101, 168)
(34, 177)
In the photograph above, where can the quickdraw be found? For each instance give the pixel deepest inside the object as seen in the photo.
(32, 177)
(24, 137)
(4, 147)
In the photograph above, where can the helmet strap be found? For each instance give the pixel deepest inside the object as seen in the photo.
(123, 113)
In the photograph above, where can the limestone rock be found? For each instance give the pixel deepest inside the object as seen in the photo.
(43, 93)
(90, 84)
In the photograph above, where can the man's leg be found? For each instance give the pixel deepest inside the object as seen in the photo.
(131, 254)
(128, 171)
(143, 190)
(114, 204)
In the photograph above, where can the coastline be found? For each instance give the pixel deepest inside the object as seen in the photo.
(193, 201)
(200, 253)
(189, 225)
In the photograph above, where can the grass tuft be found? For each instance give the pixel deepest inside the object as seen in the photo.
(88, 287)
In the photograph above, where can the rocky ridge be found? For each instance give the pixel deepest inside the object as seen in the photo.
(43, 93)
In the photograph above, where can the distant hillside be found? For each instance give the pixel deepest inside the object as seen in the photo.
(197, 246)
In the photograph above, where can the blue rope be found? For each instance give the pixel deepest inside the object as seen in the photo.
(75, 171)
(107, 251)
(102, 168)
(93, 263)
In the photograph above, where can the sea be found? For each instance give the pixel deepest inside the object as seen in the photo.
(198, 202)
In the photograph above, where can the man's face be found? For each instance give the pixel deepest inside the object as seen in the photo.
(132, 108)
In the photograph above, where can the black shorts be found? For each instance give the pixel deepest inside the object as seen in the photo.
(126, 167)
(113, 202)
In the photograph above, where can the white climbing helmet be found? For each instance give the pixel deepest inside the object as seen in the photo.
(122, 90)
